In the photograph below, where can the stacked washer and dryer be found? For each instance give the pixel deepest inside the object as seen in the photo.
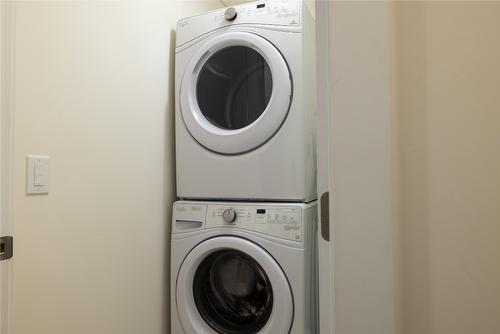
(243, 251)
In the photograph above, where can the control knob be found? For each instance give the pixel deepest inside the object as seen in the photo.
(229, 215)
(230, 14)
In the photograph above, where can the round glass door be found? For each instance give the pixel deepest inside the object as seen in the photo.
(229, 285)
(236, 93)
(232, 292)
(234, 87)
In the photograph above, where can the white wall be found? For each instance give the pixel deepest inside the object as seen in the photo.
(93, 90)
(446, 103)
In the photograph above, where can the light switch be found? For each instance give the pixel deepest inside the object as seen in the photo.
(37, 174)
(41, 174)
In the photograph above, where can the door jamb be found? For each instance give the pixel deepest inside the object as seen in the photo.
(324, 170)
(7, 17)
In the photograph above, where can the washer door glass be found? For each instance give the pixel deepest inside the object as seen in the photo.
(232, 292)
(234, 87)
(231, 285)
(235, 92)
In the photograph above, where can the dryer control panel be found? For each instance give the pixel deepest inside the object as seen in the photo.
(282, 221)
(277, 13)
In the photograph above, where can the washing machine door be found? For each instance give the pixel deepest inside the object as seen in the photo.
(230, 285)
(235, 93)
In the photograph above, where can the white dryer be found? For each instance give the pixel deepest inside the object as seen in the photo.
(245, 103)
(243, 268)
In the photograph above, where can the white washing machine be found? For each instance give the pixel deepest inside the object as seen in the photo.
(243, 268)
(245, 103)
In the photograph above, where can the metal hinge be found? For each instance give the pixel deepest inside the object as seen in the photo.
(6, 248)
(325, 215)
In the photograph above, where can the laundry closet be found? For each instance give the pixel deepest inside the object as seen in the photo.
(243, 249)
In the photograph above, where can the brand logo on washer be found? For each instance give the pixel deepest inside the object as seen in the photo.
(179, 208)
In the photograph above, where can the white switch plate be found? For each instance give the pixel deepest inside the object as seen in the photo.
(37, 174)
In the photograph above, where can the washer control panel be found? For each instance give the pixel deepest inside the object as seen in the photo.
(279, 221)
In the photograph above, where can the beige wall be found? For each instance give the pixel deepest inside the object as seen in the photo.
(93, 91)
(361, 175)
(446, 103)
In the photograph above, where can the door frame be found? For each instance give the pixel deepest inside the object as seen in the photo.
(7, 17)
(356, 265)
(324, 170)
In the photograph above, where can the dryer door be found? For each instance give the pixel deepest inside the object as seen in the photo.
(230, 285)
(235, 93)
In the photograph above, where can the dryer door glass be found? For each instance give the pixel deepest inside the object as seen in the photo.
(234, 87)
(232, 292)
(235, 91)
